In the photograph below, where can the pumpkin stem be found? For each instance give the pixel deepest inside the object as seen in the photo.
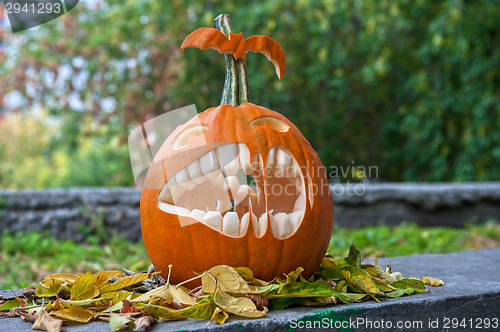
(236, 90)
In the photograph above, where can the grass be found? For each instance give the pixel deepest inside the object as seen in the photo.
(27, 257)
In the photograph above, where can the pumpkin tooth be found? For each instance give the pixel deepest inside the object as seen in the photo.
(223, 205)
(294, 170)
(210, 164)
(231, 224)
(272, 223)
(244, 157)
(283, 161)
(263, 221)
(283, 225)
(300, 202)
(165, 195)
(213, 219)
(228, 158)
(296, 218)
(182, 178)
(195, 173)
(198, 214)
(270, 159)
(169, 208)
(245, 222)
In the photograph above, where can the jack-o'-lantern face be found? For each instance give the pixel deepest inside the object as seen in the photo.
(197, 186)
(198, 209)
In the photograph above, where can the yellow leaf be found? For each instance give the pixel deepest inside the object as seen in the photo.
(434, 282)
(67, 278)
(247, 274)
(84, 288)
(228, 279)
(47, 323)
(161, 292)
(102, 277)
(219, 316)
(240, 306)
(125, 282)
(48, 288)
(76, 314)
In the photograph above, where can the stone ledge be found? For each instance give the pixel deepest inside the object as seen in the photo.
(472, 291)
(71, 213)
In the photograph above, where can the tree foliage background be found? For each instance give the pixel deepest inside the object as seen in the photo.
(409, 86)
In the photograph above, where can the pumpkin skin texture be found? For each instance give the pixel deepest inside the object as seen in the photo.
(192, 246)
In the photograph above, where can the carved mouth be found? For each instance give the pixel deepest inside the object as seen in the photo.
(213, 190)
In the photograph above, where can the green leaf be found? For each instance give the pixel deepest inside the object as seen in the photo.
(349, 297)
(300, 289)
(160, 311)
(118, 322)
(400, 292)
(203, 309)
(290, 278)
(416, 284)
(354, 256)
(362, 282)
(6, 306)
(279, 303)
(332, 272)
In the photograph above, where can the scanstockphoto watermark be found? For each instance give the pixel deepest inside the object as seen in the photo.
(26, 14)
(357, 323)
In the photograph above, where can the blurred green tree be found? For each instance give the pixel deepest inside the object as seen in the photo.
(412, 87)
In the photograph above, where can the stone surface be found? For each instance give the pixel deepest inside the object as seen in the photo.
(74, 213)
(472, 291)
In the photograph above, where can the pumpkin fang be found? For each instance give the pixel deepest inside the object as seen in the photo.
(212, 190)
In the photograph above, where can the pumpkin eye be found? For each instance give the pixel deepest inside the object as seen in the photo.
(182, 138)
(274, 123)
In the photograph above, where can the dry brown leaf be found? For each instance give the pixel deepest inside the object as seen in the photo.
(144, 323)
(260, 302)
(45, 322)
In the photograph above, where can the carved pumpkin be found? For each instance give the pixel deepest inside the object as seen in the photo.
(197, 210)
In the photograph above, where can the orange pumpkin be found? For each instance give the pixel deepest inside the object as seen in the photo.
(197, 210)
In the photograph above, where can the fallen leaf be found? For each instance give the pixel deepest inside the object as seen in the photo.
(219, 316)
(315, 301)
(300, 289)
(280, 303)
(354, 256)
(203, 309)
(227, 278)
(434, 282)
(349, 297)
(161, 312)
(362, 282)
(117, 322)
(247, 274)
(125, 282)
(84, 288)
(75, 314)
(259, 301)
(7, 305)
(144, 323)
(45, 322)
(240, 306)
